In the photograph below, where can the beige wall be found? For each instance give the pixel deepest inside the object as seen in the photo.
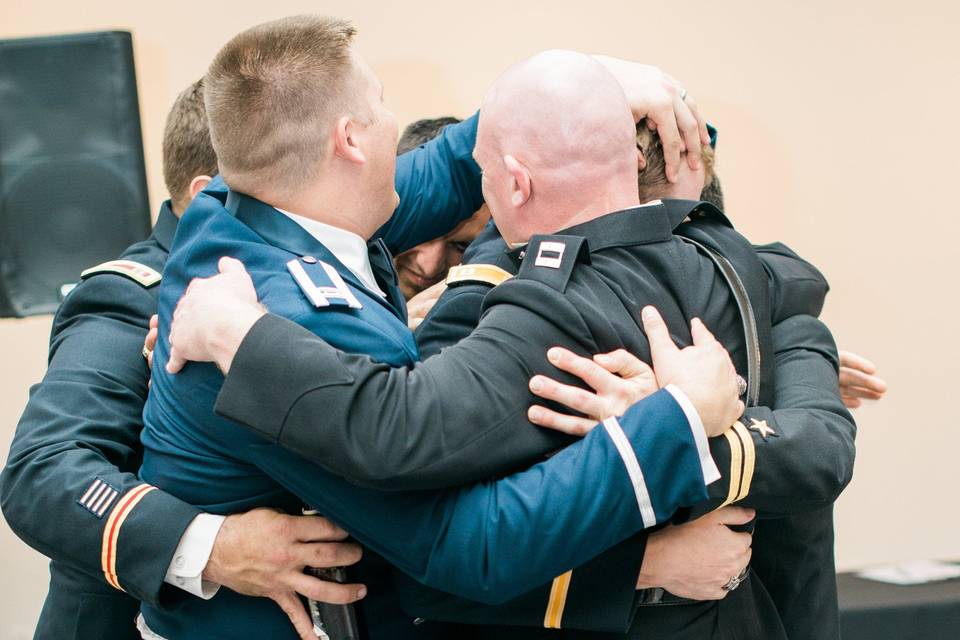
(838, 136)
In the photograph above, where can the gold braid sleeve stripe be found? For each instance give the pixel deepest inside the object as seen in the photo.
(488, 273)
(749, 459)
(108, 551)
(557, 601)
(736, 467)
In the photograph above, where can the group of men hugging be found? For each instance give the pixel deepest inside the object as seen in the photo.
(523, 366)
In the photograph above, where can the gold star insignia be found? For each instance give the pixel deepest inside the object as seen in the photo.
(761, 427)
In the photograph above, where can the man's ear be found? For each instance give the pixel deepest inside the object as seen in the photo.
(641, 160)
(522, 186)
(198, 184)
(345, 143)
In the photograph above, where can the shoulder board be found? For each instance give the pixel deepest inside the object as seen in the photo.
(321, 284)
(139, 273)
(477, 274)
(551, 259)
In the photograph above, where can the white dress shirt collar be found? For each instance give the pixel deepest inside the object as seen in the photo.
(347, 247)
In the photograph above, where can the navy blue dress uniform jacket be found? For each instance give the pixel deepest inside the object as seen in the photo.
(445, 427)
(74, 458)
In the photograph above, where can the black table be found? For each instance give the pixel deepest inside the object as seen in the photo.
(877, 611)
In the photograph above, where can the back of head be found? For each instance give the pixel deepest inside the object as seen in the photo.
(423, 131)
(652, 180)
(273, 93)
(187, 151)
(564, 118)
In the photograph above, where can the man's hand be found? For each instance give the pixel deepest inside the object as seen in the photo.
(858, 380)
(150, 342)
(263, 553)
(703, 371)
(656, 96)
(419, 305)
(618, 379)
(213, 317)
(695, 560)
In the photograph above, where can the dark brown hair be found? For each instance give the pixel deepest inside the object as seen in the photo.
(187, 151)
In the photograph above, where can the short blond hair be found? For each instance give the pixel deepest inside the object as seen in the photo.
(652, 179)
(272, 93)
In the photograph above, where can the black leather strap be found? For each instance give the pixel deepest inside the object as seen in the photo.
(746, 314)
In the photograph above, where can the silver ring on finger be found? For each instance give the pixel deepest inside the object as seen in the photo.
(741, 386)
(733, 584)
(683, 94)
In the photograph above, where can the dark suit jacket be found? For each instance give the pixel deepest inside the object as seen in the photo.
(82, 427)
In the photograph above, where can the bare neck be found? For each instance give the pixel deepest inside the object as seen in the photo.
(577, 209)
(336, 207)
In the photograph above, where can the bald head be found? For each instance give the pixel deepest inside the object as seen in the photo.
(556, 142)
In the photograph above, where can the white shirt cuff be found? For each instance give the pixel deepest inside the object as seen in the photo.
(710, 471)
(192, 554)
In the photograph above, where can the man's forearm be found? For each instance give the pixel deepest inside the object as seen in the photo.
(476, 541)
(807, 460)
(457, 418)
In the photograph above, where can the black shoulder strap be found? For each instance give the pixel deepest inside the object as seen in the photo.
(552, 259)
(747, 315)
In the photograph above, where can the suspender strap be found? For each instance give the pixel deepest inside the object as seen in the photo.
(746, 314)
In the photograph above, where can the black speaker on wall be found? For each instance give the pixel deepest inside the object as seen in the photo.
(73, 189)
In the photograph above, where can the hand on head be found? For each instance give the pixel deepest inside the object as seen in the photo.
(669, 110)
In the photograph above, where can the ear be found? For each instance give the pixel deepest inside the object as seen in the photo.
(198, 184)
(345, 142)
(522, 187)
(641, 160)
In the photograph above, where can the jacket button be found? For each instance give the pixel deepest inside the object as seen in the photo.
(309, 259)
(419, 621)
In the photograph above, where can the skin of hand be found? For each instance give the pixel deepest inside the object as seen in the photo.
(858, 380)
(695, 560)
(703, 371)
(618, 379)
(419, 305)
(263, 553)
(150, 342)
(213, 317)
(657, 96)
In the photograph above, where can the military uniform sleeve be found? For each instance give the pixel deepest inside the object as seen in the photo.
(797, 456)
(458, 417)
(69, 488)
(494, 541)
(796, 286)
(597, 596)
(438, 184)
(454, 316)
